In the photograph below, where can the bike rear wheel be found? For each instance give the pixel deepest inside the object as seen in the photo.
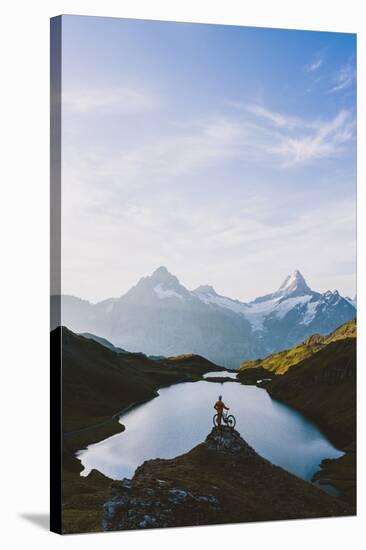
(230, 421)
(215, 421)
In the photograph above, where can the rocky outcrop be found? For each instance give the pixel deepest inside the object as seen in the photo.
(222, 480)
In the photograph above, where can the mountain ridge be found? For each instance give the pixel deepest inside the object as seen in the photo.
(160, 316)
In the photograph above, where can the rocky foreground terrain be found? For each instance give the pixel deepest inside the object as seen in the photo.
(221, 480)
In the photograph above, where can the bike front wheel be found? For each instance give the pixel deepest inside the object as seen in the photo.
(215, 420)
(230, 421)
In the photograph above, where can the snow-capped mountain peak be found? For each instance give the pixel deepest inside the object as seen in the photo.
(158, 286)
(294, 285)
(163, 279)
(162, 275)
(208, 295)
(163, 293)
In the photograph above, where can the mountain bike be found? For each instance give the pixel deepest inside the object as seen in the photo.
(227, 419)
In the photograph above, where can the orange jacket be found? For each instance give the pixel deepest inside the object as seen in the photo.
(220, 406)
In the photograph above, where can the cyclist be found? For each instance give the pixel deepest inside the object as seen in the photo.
(220, 406)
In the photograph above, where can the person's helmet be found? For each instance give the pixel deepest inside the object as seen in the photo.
(220, 397)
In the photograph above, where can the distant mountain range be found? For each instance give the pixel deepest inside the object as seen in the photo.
(159, 316)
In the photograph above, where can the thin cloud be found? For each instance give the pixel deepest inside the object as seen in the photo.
(183, 150)
(315, 65)
(188, 149)
(325, 140)
(344, 78)
(294, 140)
(118, 100)
(277, 118)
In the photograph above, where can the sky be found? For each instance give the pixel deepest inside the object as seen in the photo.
(227, 154)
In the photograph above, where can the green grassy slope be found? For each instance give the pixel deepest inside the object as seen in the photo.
(279, 363)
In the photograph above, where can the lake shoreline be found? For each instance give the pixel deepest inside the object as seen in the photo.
(176, 431)
(113, 426)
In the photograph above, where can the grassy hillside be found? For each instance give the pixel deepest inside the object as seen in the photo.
(279, 363)
(347, 330)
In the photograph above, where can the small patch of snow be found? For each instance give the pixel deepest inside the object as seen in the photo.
(222, 301)
(310, 313)
(257, 312)
(166, 293)
(284, 307)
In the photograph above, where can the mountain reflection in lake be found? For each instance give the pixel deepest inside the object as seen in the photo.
(181, 417)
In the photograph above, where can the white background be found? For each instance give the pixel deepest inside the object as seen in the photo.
(24, 256)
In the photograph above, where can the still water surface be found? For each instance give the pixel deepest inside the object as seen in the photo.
(181, 417)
